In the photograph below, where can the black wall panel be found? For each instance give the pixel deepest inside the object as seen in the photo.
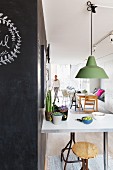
(18, 91)
(42, 75)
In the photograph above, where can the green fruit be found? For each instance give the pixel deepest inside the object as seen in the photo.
(87, 118)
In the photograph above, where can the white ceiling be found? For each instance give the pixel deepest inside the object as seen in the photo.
(67, 24)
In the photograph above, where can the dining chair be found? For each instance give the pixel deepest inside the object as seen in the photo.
(65, 95)
(90, 103)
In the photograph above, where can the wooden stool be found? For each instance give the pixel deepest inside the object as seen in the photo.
(85, 151)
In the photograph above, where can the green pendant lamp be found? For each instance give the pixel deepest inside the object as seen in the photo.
(91, 70)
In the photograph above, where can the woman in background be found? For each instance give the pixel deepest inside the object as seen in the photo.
(56, 87)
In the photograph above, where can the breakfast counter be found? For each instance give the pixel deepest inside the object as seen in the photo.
(103, 124)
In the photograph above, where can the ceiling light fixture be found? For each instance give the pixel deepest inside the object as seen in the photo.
(91, 70)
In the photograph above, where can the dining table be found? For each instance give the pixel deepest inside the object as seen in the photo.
(71, 125)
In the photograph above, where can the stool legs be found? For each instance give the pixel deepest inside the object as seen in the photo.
(84, 164)
(68, 147)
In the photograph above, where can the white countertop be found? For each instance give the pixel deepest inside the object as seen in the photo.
(105, 124)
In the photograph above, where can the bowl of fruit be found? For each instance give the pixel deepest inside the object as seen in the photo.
(87, 119)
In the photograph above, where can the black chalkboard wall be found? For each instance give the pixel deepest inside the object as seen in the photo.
(18, 91)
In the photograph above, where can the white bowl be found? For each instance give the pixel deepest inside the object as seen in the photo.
(98, 115)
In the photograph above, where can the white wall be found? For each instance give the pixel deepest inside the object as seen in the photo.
(94, 83)
(48, 76)
(107, 84)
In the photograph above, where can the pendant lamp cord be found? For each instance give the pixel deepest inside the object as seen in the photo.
(91, 32)
(91, 7)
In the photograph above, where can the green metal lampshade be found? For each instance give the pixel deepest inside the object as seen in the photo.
(91, 70)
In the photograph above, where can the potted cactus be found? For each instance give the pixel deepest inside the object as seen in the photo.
(48, 110)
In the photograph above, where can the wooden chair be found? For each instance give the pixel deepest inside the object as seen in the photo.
(92, 102)
(85, 151)
(73, 101)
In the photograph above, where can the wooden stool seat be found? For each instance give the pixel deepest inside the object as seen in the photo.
(85, 151)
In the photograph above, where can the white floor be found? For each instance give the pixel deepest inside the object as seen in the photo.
(54, 163)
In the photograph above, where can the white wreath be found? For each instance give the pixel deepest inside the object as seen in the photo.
(8, 58)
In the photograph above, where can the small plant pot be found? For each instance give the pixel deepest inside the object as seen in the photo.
(64, 114)
(57, 118)
(48, 116)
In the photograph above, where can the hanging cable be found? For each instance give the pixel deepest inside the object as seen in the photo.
(91, 7)
(91, 32)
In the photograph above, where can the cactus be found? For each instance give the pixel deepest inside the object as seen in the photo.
(49, 109)
(48, 102)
